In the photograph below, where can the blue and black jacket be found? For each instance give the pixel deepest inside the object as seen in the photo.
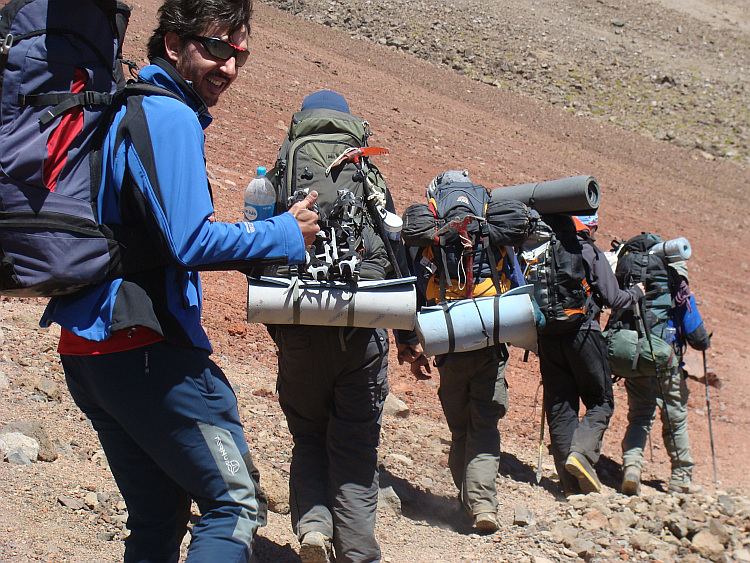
(154, 181)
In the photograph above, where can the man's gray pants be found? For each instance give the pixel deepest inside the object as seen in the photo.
(474, 396)
(644, 396)
(332, 386)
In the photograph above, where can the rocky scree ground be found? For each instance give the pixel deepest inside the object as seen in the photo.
(432, 119)
(73, 512)
(645, 66)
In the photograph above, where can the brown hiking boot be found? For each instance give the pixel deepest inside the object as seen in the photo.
(684, 487)
(315, 547)
(578, 466)
(486, 523)
(631, 481)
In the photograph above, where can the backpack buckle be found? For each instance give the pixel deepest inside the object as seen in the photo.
(6, 45)
(90, 98)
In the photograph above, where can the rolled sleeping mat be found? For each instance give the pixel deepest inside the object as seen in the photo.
(471, 324)
(577, 195)
(673, 250)
(370, 304)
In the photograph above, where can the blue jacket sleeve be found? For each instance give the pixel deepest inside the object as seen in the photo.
(181, 204)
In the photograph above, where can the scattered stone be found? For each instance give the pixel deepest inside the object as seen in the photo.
(388, 501)
(562, 532)
(584, 549)
(35, 430)
(726, 504)
(644, 541)
(706, 544)
(74, 503)
(18, 457)
(25, 444)
(522, 516)
(395, 407)
(394, 458)
(276, 487)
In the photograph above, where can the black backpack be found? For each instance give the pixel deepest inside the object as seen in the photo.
(556, 268)
(60, 83)
(327, 151)
(635, 263)
(462, 237)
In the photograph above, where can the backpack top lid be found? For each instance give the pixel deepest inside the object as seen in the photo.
(325, 99)
(445, 178)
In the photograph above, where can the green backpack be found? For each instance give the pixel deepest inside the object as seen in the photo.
(327, 151)
(631, 355)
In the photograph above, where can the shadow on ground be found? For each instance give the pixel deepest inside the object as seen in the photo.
(267, 551)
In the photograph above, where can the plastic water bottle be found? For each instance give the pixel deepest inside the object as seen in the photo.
(260, 197)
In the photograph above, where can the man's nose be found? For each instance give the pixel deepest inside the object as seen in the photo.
(230, 67)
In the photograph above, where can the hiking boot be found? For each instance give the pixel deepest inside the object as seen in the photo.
(578, 466)
(315, 547)
(486, 523)
(684, 487)
(631, 481)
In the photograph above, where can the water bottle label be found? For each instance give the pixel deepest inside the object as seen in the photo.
(258, 212)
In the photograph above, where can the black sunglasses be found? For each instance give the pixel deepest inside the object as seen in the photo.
(220, 49)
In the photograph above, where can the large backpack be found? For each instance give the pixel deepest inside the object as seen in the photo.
(555, 267)
(60, 82)
(639, 339)
(327, 151)
(635, 263)
(461, 237)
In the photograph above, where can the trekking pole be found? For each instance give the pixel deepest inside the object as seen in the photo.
(708, 410)
(650, 446)
(539, 469)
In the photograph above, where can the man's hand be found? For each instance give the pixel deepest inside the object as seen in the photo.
(307, 220)
(640, 286)
(413, 354)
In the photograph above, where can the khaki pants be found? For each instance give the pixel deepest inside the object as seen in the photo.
(644, 396)
(474, 396)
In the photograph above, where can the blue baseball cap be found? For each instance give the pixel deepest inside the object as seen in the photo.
(326, 99)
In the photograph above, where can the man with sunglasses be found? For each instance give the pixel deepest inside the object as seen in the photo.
(135, 355)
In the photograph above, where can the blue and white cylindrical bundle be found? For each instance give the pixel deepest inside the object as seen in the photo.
(673, 250)
(472, 324)
(371, 304)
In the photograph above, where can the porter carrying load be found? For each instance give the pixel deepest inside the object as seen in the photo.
(460, 243)
(351, 276)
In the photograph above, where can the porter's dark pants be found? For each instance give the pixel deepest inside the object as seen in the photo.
(575, 370)
(332, 386)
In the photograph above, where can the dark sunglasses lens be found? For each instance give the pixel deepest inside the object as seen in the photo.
(223, 50)
(219, 49)
(240, 57)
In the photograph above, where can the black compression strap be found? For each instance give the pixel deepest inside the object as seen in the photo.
(449, 325)
(496, 320)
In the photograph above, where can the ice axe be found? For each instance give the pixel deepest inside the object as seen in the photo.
(355, 155)
(708, 411)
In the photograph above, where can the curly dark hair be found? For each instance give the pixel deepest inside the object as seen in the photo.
(193, 17)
